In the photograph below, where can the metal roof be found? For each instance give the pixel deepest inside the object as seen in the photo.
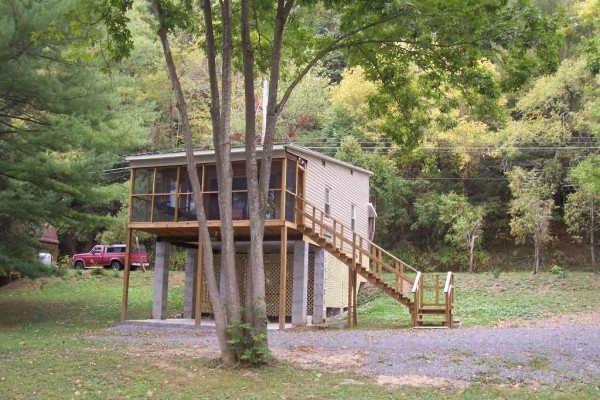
(238, 153)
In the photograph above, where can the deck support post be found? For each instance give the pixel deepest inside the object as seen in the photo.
(283, 278)
(127, 261)
(199, 275)
(349, 313)
(161, 280)
(189, 288)
(352, 283)
(300, 283)
(318, 312)
(354, 298)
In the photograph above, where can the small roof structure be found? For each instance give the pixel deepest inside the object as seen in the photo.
(49, 236)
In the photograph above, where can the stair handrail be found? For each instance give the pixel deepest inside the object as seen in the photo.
(349, 242)
(449, 295)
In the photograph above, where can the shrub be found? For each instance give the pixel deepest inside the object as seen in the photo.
(98, 272)
(558, 270)
(65, 262)
(496, 271)
(448, 258)
(249, 345)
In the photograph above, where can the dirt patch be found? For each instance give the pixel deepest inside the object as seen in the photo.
(420, 381)
(25, 285)
(310, 357)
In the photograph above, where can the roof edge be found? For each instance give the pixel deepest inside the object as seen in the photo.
(328, 158)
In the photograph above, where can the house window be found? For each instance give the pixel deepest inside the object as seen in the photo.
(327, 201)
(352, 216)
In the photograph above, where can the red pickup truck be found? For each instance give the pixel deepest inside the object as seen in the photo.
(112, 256)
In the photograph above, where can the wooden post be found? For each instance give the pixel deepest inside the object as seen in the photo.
(283, 199)
(350, 317)
(354, 250)
(127, 250)
(199, 274)
(437, 289)
(283, 277)
(178, 185)
(354, 298)
(152, 195)
(126, 275)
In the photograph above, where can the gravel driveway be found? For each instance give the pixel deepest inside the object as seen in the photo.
(538, 355)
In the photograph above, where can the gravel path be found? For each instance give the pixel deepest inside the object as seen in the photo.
(539, 355)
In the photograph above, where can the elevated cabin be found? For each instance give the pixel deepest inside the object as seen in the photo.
(312, 199)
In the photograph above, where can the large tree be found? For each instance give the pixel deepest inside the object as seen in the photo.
(414, 51)
(62, 121)
(465, 222)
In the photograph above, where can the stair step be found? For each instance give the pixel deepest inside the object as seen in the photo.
(432, 311)
(430, 327)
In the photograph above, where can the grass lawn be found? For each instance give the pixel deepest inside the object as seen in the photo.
(515, 298)
(46, 352)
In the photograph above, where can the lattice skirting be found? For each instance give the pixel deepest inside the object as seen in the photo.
(272, 273)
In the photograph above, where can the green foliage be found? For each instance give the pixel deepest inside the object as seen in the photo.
(249, 345)
(441, 258)
(65, 262)
(531, 206)
(558, 270)
(465, 220)
(451, 259)
(177, 259)
(62, 124)
(496, 271)
(99, 272)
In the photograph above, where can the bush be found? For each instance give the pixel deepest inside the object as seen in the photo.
(250, 346)
(441, 259)
(64, 262)
(449, 259)
(98, 272)
(558, 270)
(496, 271)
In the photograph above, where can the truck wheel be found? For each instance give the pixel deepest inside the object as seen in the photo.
(79, 265)
(116, 265)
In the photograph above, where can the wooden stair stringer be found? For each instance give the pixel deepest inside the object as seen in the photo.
(346, 259)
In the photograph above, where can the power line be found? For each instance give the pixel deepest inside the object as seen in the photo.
(449, 149)
(475, 178)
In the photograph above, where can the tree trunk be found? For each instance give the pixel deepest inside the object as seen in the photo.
(258, 317)
(220, 320)
(472, 253)
(220, 112)
(258, 189)
(537, 245)
(592, 235)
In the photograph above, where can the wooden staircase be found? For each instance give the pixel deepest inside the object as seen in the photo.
(428, 304)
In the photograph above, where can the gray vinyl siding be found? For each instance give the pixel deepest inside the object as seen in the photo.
(348, 186)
